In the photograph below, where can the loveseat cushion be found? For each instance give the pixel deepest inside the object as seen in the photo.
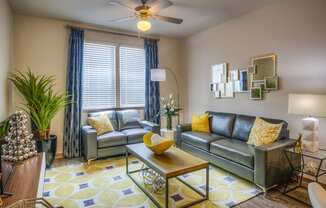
(134, 135)
(242, 127)
(111, 139)
(235, 150)
(222, 123)
(199, 139)
(128, 119)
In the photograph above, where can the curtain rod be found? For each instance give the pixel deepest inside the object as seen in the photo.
(112, 32)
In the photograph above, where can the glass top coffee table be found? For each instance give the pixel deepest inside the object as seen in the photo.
(172, 164)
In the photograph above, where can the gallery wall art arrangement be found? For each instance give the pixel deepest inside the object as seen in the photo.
(257, 79)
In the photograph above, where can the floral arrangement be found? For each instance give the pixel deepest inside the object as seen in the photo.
(169, 109)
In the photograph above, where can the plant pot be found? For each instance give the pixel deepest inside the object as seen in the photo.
(43, 134)
(40, 134)
(49, 147)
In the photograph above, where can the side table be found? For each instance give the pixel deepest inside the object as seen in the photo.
(168, 133)
(305, 163)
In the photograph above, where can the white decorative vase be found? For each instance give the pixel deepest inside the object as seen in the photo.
(310, 137)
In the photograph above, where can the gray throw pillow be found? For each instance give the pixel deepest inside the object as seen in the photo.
(128, 119)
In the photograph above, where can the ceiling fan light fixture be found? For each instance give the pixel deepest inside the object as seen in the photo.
(144, 25)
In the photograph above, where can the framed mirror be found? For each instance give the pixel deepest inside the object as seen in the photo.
(257, 79)
(264, 66)
(241, 83)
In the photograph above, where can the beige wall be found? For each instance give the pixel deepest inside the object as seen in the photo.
(293, 29)
(169, 57)
(42, 45)
(5, 55)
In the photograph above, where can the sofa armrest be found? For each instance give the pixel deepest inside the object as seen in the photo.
(271, 166)
(89, 142)
(181, 128)
(150, 126)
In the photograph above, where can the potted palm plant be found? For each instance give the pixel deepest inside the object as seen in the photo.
(42, 104)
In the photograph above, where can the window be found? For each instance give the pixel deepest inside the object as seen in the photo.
(132, 77)
(99, 83)
(100, 89)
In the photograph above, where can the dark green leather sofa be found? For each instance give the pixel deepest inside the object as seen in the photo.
(129, 129)
(226, 148)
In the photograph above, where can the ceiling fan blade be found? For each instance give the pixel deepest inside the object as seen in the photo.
(123, 19)
(158, 5)
(123, 3)
(168, 19)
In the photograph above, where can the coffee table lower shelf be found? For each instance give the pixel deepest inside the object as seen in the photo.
(166, 191)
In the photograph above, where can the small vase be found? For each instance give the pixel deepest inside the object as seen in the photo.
(169, 122)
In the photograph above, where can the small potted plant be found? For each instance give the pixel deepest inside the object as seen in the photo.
(4, 128)
(169, 109)
(42, 104)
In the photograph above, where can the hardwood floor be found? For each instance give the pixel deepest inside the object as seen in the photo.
(272, 199)
(275, 199)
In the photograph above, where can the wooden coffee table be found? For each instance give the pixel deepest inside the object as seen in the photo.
(173, 163)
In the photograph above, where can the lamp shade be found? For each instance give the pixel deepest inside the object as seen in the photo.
(307, 104)
(144, 25)
(158, 75)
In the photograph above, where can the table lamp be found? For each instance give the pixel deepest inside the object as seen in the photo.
(311, 106)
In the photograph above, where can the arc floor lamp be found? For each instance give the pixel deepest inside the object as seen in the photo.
(159, 75)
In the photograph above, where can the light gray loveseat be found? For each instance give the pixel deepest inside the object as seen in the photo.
(129, 129)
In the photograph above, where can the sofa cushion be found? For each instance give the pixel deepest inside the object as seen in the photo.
(284, 131)
(235, 150)
(111, 139)
(110, 114)
(128, 119)
(134, 135)
(222, 123)
(200, 123)
(242, 127)
(199, 139)
(263, 132)
(102, 124)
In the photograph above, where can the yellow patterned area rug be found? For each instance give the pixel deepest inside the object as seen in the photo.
(105, 184)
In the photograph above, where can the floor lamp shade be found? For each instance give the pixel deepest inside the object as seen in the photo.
(308, 105)
(158, 75)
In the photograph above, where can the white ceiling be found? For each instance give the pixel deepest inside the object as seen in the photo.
(197, 14)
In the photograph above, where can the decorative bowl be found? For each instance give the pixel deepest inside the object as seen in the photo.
(160, 148)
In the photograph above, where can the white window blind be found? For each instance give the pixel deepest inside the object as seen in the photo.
(99, 77)
(132, 77)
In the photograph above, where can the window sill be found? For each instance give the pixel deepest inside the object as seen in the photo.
(89, 110)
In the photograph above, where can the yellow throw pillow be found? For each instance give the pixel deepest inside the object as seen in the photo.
(200, 123)
(263, 132)
(102, 124)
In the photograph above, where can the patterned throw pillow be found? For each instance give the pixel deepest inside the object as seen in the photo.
(101, 123)
(200, 123)
(263, 132)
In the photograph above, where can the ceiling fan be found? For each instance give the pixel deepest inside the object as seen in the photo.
(145, 10)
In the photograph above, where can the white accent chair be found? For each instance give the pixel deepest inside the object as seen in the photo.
(317, 195)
